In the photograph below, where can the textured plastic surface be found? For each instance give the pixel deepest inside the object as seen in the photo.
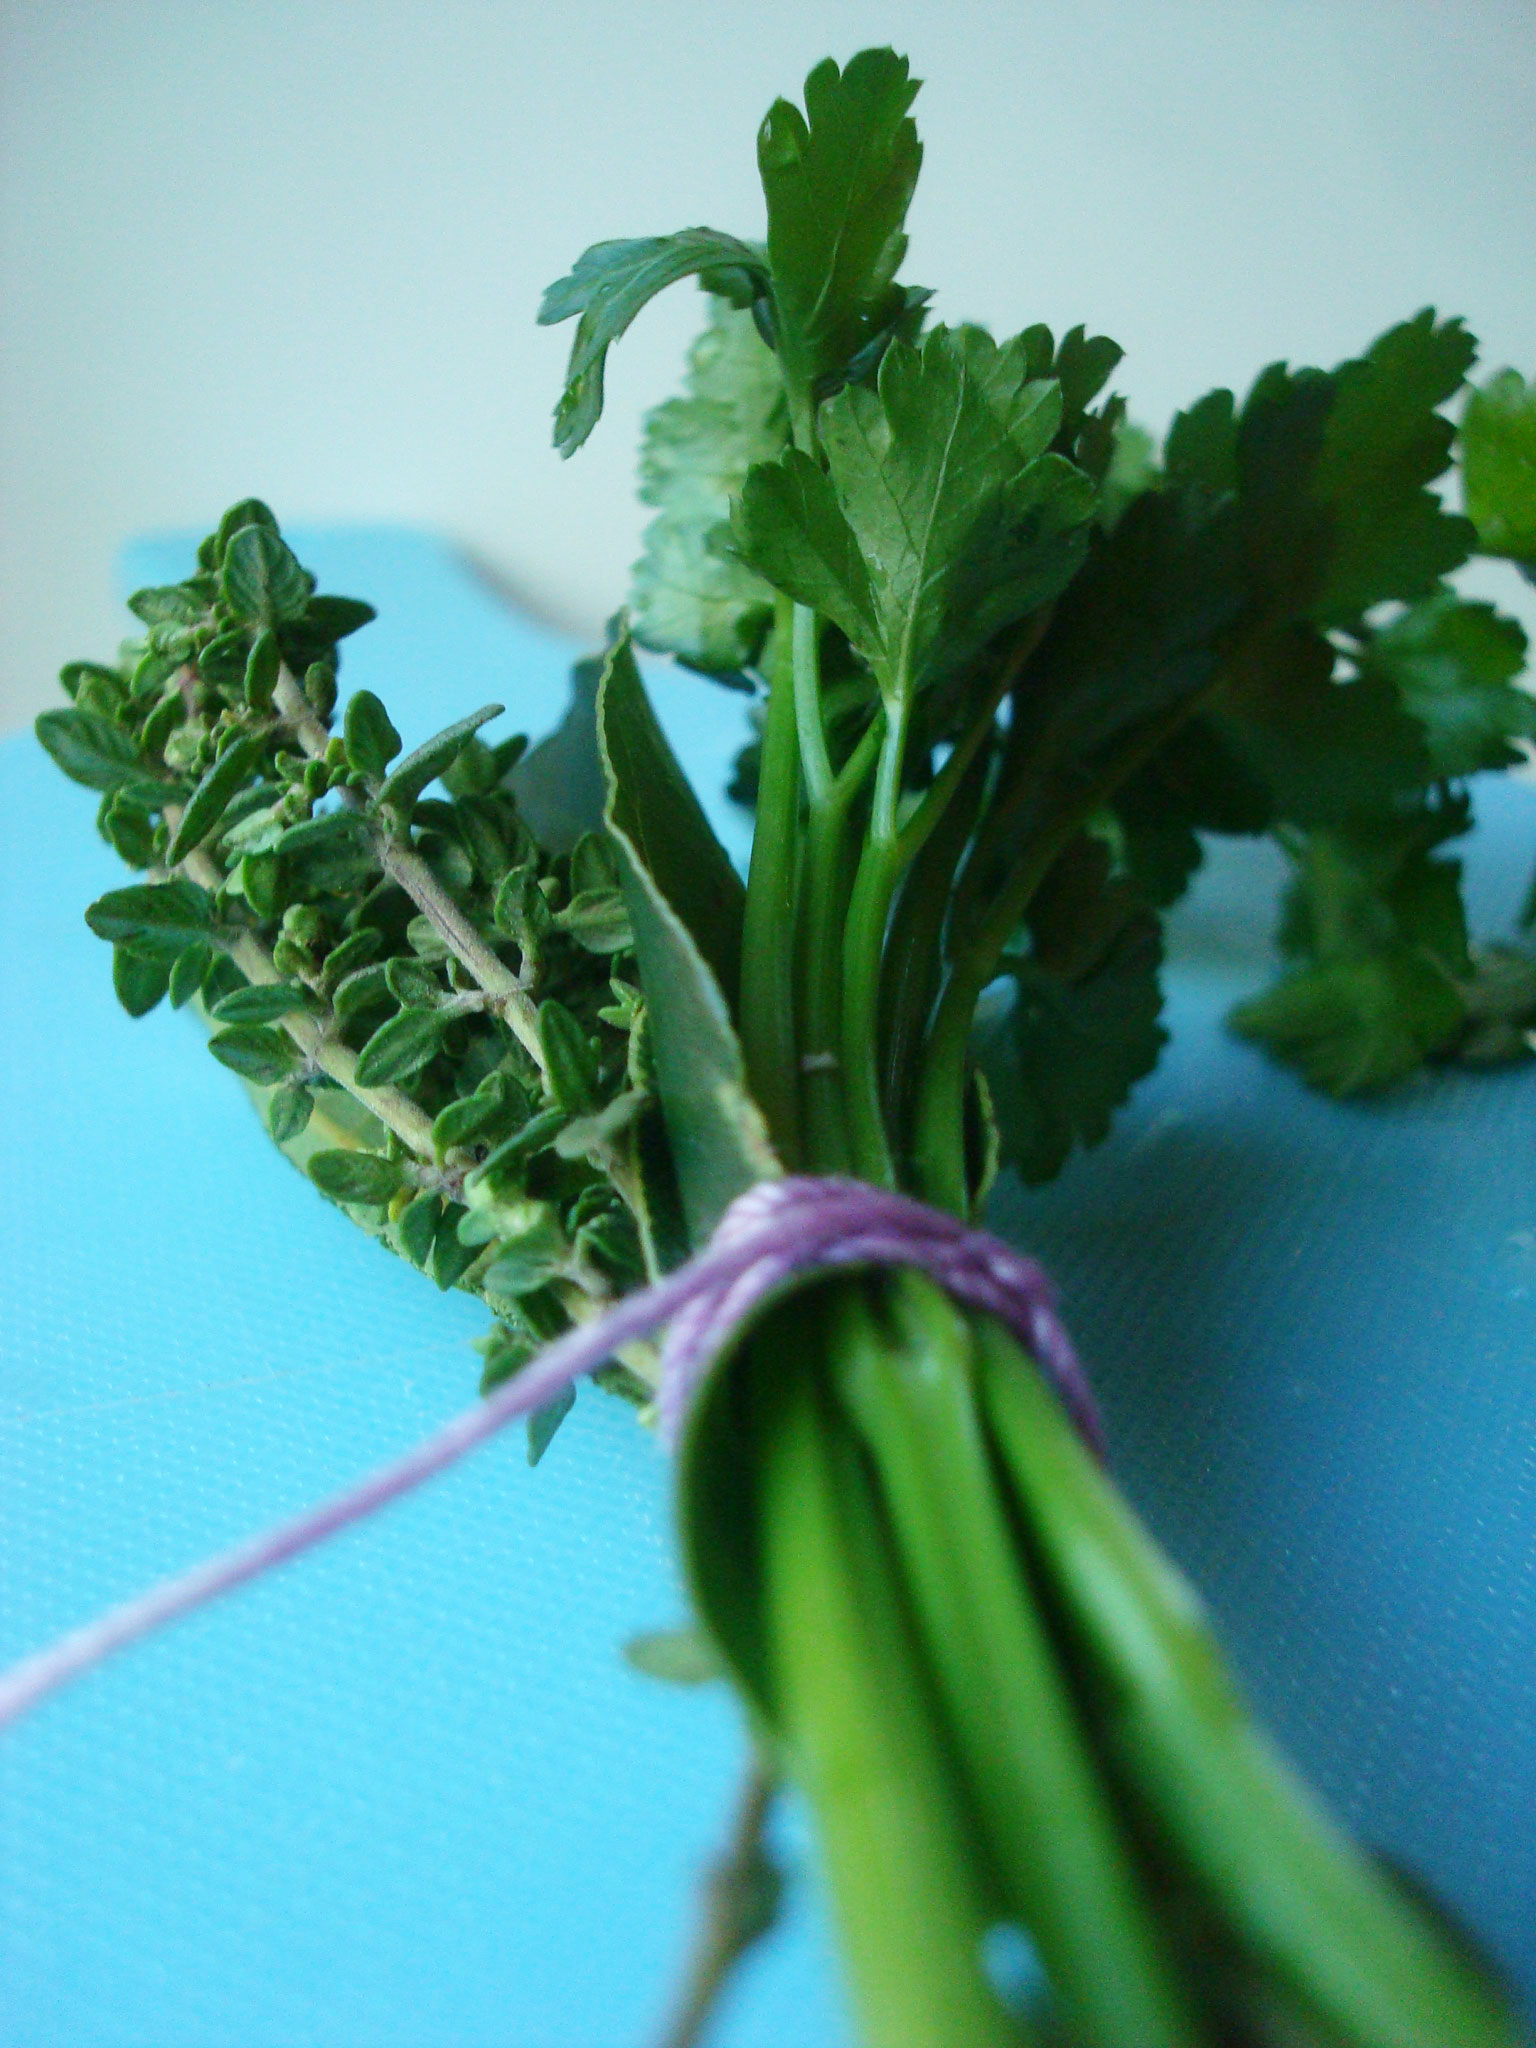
(406, 1793)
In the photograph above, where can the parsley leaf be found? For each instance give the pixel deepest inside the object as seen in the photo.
(1498, 462)
(1376, 919)
(964, 522)
(838, 180)
(1330, 473)
(693, 597)
(1385, 442)
(612, 282)
(1453, 666)
(1082, 1026)
(1325, 750)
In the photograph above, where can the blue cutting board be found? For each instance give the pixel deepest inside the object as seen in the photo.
(406, 1793)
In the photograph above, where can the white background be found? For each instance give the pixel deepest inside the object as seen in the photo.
(296, 249)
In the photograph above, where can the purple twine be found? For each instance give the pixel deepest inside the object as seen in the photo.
(776, 1231)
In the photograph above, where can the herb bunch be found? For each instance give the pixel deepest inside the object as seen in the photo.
(437, 1008)
(1010, 660)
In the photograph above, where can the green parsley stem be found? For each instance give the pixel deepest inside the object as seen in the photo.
(910, 1882)
(937, 796)
(869, 912)
(914, 957)
(767, 1005)
(828, 872)
(907, 1377)
(815, 762)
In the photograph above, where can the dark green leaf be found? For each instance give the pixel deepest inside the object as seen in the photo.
(208, 801)
(400, 1048)
(1083, 364)
(559, 784)
(225, 662)
(361, 1177)
(1498, 453)
(1376, 922)
(74, 674)
(1325, 750)
(249, 512)
(691, 595)
(543, 1423)
(594, 864)
(363, 989)
(1333, 470)
(718, 1141)
(598, 921)
(152, 670)
(610, 284)
(1201, 451)
(261, 881)
(569, 1060)
(505, 1351)
(330, 831)
(942, 474)
(262, 668)
(406, 783)
(1385, 442)
(255, 1052)
(333, 618)
(1453, 666)
(1083, 1026)
(372, 742)
(261, 578)
(409, 982)
(495, 1104)
(838, 180)
(664, 826)
(89, 748)
(139, 982)
(334, 853)
(532, 1251)
(129, 825)
(790, 527)
(352, 953)
(1352, 1026)
(288, 1111)
(188, 974)
(1138, 631)
(159, 918)
(417, 1227)
(612, 1242)
(451, 1260)
(260, 1002)
(586, 1136)
(168, 604)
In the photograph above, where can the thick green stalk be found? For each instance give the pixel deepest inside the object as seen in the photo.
(767, 1005)
(869, 914)
(911, 1894)
(905, 1370)
(810, 719)
(914, 957)
(824, 912)
(1307, 1910)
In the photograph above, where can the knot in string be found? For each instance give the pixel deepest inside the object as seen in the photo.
(779, 1231)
